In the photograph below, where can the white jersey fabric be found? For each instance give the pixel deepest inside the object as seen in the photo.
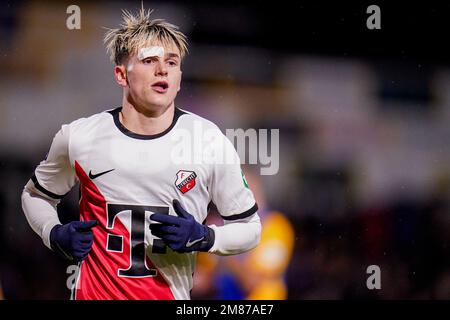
(124, 178)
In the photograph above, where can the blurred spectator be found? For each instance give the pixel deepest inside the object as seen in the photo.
(259, 274)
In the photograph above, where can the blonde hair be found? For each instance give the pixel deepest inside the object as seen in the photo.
(137, 31)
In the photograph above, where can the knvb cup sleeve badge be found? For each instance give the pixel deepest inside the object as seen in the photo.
(185, 180)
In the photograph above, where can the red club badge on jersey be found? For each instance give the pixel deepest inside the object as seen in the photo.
(185, 180)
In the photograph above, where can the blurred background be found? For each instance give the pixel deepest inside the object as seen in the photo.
(363, 115)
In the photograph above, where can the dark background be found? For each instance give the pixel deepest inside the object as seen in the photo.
(363, 117)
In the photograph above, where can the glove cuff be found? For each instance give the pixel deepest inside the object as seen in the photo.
(55, 245)
(208, 242)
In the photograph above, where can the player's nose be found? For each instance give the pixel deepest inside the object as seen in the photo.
(161, 69)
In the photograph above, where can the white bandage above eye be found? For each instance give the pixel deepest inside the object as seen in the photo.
(154, 51)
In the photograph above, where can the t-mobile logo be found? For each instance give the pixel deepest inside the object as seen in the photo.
(136, 238)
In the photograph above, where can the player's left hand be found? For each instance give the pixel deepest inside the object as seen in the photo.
(182, 233)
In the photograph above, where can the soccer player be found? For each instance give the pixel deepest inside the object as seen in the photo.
(142, 203)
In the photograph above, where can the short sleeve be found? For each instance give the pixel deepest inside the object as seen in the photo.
(230, 191)
(55, 176)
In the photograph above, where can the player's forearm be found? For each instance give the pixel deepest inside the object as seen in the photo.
(40, 212)
(236, 237)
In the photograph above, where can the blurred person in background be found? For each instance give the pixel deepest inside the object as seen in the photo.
(259, 274)
(124, 161)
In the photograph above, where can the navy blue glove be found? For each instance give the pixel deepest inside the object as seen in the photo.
(182, 233)
(73, 240)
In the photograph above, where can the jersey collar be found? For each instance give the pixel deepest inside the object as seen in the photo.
(119, 125)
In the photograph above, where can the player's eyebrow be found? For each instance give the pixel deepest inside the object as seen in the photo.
(172, 55)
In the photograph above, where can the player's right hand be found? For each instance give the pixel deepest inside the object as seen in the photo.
(73, 240)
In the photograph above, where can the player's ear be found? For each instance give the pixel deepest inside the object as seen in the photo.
(120, 75)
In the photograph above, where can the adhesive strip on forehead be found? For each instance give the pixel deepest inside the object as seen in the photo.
(154, 51)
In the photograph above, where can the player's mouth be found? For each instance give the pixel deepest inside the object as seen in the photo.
(160, 86)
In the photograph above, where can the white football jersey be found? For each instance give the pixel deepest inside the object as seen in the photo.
(126, 177)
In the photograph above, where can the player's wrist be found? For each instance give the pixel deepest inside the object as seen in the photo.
(209, 239)
(203, 232)
(54, 233)
(57, 244)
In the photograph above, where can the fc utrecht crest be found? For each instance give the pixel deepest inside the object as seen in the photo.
(185, 180)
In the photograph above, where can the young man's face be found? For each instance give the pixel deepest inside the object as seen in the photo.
(154, 81)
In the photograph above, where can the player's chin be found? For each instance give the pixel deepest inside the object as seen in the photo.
(162, 100)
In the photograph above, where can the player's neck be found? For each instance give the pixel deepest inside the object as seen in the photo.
(146, 123)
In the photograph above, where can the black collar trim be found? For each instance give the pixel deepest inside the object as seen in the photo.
(119, 125)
